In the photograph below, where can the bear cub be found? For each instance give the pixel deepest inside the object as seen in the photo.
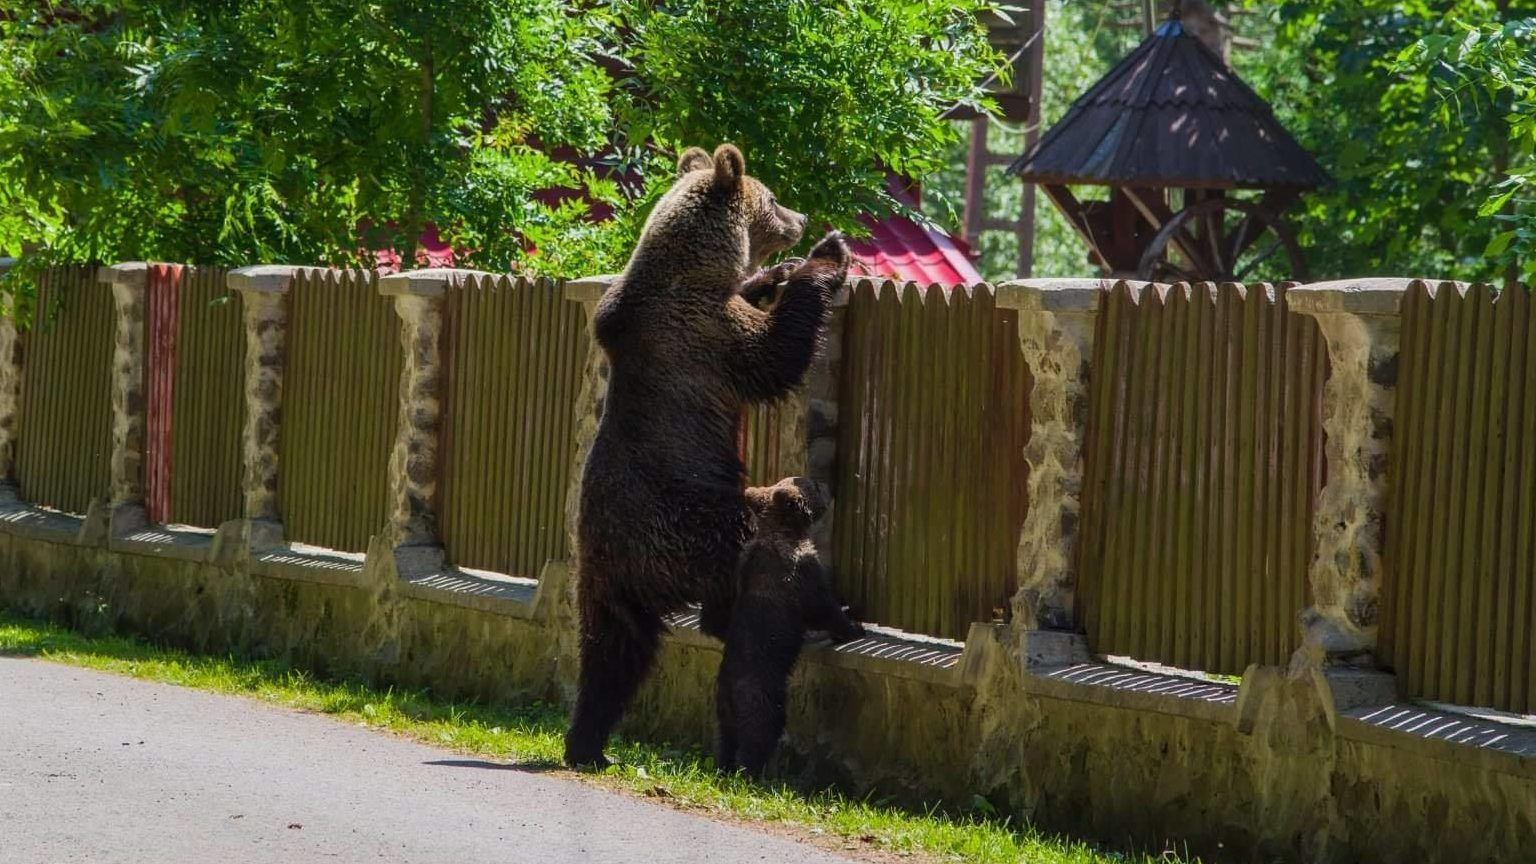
(782, 592)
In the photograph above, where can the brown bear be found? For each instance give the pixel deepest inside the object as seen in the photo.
(782, 592)
(662, 516)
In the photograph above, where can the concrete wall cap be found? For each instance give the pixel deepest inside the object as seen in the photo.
(1054, 295)
(132, 274)
(589, 289)
(427, 282)
(263, 278)
(1379, 296)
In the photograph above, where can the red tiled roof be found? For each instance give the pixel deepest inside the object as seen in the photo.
(908, 251)
(432, 252)
(897, 248)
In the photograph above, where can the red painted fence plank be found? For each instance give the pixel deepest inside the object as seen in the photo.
(160, 328)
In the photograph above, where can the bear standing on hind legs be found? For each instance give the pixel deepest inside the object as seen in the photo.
(782, 592)
(663, 515)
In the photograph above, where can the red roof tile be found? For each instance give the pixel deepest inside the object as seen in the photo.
(904, 250)
(897, 248)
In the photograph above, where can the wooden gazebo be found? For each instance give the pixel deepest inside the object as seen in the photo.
(1174, 135)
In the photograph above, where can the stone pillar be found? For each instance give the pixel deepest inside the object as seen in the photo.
(557, 595)
(129, 283)
(10, 380)
(414, 468)
(589, 401)
(263, 299)
(1359, 321)
(1056, 328)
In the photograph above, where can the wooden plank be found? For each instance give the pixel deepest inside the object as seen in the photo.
(1119, 518)
(1526, 561)
(920, 581)
(1272, 348)
(1511, 597)
(1244, 485)
(1434, 424)
(1072, 211)
(877, 583)
(1468, 572)
(1454, 489)
(854, 430)
(1157, 507)
(1484, 635)
(1206, 629)
(1098, 449)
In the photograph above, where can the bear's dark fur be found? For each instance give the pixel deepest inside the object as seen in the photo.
(782, 593)
(662, 516)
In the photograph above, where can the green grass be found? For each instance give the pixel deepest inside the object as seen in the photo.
(532, 735)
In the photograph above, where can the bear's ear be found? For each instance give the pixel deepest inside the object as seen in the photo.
(759, 499)
(730, 166)
(693, 159)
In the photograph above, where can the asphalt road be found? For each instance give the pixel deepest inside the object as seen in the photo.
(104, 769)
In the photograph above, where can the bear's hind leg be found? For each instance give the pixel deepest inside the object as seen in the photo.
(725, 719)
(618, 648)
(760, 714)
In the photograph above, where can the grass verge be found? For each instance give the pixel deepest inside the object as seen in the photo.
(532, 735)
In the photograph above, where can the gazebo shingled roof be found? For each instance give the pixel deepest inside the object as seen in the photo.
(1171, 115)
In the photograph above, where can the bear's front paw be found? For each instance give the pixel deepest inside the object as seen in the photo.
(853, 630)
(832, 248)
(781, 271)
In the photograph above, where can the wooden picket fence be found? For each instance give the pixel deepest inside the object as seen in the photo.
(341, 403)
(933, 418)
(514, 352)
(64, 441)
(1203, 458)
(195, 396)
(1202, 450)
(1459, 600)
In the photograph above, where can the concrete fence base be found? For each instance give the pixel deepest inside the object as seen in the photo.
(1314, 765)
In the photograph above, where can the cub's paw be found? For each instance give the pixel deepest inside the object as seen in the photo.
(832, 248)
(853, 631)
(780, 272)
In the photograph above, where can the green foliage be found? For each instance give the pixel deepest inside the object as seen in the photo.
(1413, 170)
(822, 96)
(266, 130)
(1492, 68)
(238, 131)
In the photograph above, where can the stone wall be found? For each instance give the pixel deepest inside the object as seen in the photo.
(1280, 768)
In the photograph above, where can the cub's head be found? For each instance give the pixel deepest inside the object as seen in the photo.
(717, 217)
(793, 504)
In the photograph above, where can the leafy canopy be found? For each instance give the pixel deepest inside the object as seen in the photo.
(825, 95)
(1372, 88)
(239, 131)
(251, 130)
(1492, 69)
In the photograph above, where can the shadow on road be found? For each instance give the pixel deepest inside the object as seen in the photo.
(525, 767)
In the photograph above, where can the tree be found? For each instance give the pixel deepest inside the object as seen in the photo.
(823, 97)
(233, 131)
(1412, 170)
(1492, 68)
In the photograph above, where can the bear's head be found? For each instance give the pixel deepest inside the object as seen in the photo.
(793, 504)
(716, 222)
